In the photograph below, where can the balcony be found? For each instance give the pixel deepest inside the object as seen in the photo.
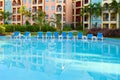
(105, 25)
(19, 2)
(1, 4)
(113, 17)
(39, 8)
(113, 26)
(14, 11)
(86, 2)
(59, 9)
(14, 18)
(14, 3)
(18, 18)
(39, 1)
(34, 1)
(106, 17)
(34, 9)
(18, 10)
(60, 1)
(33, 17)
(78, 4)
(77, 11)
(86, 18)
(106, 7)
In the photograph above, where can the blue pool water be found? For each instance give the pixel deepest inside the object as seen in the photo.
(50, 59)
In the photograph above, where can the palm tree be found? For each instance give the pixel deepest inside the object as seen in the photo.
(5, 16)
(27, 16)
(92, 9)
(89, 10)
(114, 6)
(40, 18)
(22, 10)
(58, 21)
(98, 9)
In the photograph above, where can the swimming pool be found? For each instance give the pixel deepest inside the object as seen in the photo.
(50, 59)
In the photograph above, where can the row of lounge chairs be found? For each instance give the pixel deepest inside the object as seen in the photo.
(56, 35)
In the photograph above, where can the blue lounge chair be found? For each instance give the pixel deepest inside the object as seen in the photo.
(56, 35)
(40, 34)
(70, 35)
(27, 34)
(64, 35)
(16, 34)
(49, 35)
(100, 36)
(79, 36)
(90, 36)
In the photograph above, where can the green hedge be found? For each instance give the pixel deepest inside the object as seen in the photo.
(34, 28)
(2, 30)
(67, 27)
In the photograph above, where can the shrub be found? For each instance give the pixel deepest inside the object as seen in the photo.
(2, 30)
(67, 27)
(12, 28)
(47, 27)
(106, 32)
(33, 28)
(79, 26)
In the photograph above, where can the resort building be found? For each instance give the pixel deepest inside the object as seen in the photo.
(77, 6)
(1, 9)
(108, 19)
(50, 7)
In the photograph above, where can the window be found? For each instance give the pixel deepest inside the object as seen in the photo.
(46, 8)
(52, 24)
(53, 16)
(47, 0)
(46, 16)
(30, 1)
(53, 0)
(24, 1)
(53, 7)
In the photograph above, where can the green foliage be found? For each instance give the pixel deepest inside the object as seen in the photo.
(80, 26)
(31, 28)
(27, 23)
(40, 18)
(58, 21)
(12, 28)
(2, 30)
(67, 27)
(47, 27)
(5, 15)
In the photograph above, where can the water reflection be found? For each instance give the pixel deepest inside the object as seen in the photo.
(63, 59)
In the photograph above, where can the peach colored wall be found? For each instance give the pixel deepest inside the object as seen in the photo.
(50, 11)
(68, 11)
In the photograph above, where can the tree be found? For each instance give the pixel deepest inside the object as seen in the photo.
(92, 9)
(97, 9)
(22, 10)
(88, 10)
(27, 17)
(58, 21)
(6, 16)
(40, 18)
(114, 6)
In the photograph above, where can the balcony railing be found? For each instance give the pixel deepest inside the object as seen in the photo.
(105, 19)
(14, 19)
